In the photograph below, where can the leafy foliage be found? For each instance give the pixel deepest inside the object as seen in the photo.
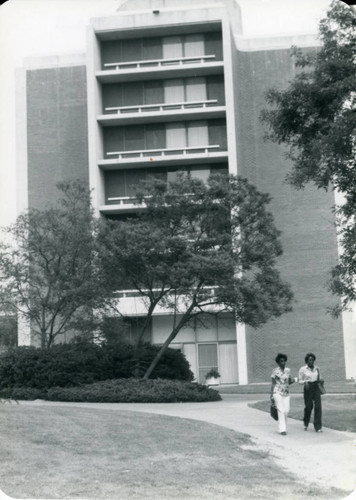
(198, 248)
(23, 393)
(315, 117)
(136, 391)
(48, 265)
(131, 390)
(212, 373)
(173, 364)
(76, 363)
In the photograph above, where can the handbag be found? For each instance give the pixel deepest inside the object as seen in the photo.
(274, 411)
(321, 388)
(321, 384)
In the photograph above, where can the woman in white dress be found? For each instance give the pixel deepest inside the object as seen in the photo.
(281, 380)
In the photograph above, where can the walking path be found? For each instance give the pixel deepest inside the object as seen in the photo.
(327, 459)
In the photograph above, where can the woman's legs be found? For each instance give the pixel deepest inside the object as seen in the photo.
(308, 405)
(317, 409)
(282, 404)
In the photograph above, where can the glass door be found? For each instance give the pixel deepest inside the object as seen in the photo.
(207, 359)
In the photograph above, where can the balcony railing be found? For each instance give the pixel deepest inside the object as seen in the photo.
(123, 200)
(166, 106)
(159, 62)
(134, 293)
(162, 152)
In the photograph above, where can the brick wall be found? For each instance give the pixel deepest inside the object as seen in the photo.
(306, 222)
(57, 130)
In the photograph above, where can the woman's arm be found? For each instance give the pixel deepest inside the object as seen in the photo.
(272, 386)
(301, 379)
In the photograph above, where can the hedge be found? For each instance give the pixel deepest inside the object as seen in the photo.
(73, 364)
(122, 391)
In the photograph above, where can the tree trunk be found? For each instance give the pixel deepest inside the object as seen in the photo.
(147, 321)
(43, 340)
(136, 361)
(136, 352)
(172, 335)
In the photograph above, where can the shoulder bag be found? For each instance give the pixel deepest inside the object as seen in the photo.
(273, 411)
(321, 384)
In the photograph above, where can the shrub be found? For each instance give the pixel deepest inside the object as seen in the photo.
(24, 393)
(173, 364)
(135, 391)
(82, 362)
(62, 365)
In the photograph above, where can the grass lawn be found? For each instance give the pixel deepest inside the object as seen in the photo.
(61, 452)
(339, 412)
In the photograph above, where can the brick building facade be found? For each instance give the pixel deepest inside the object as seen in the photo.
(156, 84)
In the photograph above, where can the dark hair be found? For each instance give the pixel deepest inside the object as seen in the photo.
(307, 356)
(281, 356)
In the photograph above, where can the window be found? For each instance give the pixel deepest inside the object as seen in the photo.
(198, 134)
(134, 138)
(174, 91)
(131, 50)
(151, 49)
(194, 45)
(122, 183)
(153, 92)
(132, 94)
(183, 46)
(195, 89)
(175, 135)
(207, 359)
(172, 47)
(217, 133)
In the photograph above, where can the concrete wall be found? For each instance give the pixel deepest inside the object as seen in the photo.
(306, 222)
(57, 130)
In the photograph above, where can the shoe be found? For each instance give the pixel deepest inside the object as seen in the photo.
(319, 430)
(283, 433)
(305, 428)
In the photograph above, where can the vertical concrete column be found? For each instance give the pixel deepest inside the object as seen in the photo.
(349, 330)
(229, 95)
(21, 141)
(228, 47)
(23, 330)
(95, 140)
(348, 318)
(241, 353)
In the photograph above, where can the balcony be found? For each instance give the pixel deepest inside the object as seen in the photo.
(126, 115)
(159, 62)
(120, 204)
(160, 68)
(169, 156)
(132, 304)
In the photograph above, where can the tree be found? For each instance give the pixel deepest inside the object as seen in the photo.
(198, 249)
(48, 265)
(315, 117)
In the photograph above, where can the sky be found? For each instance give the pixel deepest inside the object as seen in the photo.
(30, 28)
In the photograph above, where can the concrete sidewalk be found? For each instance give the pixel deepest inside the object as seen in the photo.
(327, 458)
(341, 387)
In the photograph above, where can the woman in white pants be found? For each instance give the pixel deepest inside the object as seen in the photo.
(281, 380)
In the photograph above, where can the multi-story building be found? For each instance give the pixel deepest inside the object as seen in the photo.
(168, 86)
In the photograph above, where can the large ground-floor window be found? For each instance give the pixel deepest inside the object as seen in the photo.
(204, 356)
